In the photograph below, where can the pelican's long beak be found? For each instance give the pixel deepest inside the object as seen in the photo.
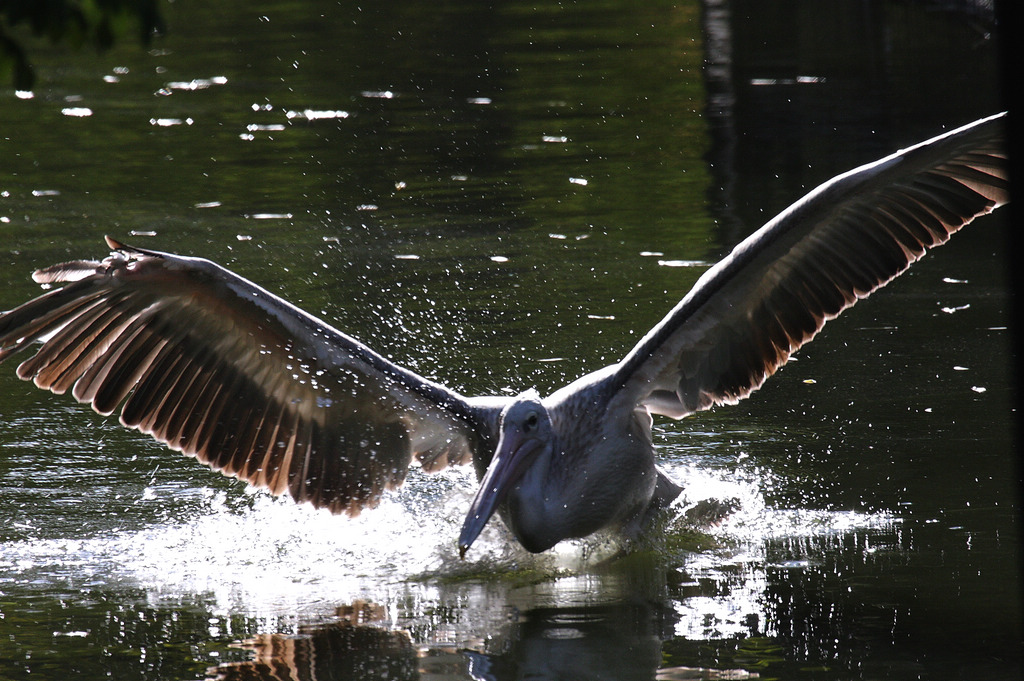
(515, 452)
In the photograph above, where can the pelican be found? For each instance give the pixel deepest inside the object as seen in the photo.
(220, 369)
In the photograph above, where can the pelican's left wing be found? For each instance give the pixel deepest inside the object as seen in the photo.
(746, 315)
(220, 369)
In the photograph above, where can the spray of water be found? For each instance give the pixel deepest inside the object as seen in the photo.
(270, 557)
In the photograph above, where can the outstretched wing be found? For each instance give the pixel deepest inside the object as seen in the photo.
(746, 315)
(220, 369)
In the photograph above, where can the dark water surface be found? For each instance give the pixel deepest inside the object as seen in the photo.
(499, 196)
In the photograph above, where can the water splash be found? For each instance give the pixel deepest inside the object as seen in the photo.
(269, 557)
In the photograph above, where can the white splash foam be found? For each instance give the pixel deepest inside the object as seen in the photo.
(273, 558)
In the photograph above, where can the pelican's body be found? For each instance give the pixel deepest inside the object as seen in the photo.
(589, 467)
(220, 369)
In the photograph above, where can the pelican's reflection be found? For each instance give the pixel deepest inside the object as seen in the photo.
(619, 641)
(347, 648)
(614, 641)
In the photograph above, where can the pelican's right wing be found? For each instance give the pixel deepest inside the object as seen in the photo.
(220, 369)
(746, 315)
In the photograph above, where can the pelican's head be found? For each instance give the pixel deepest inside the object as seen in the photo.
(525, 432)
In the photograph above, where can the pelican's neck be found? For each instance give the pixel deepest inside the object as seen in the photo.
(534, 509)
(597, 470)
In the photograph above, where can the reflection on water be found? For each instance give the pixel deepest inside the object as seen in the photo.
(503, 196)
(268, 556)
(276, 565)
(338, 650)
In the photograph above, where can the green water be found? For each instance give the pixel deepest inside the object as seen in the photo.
(502, 196)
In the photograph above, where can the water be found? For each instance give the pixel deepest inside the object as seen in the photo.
(501, 197)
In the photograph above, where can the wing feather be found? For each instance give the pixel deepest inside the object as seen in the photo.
(220, 369)
(747, 315)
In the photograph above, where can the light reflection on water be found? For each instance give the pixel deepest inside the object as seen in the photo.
(271, 559)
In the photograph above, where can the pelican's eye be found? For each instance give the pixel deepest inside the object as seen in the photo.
(531, 422)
